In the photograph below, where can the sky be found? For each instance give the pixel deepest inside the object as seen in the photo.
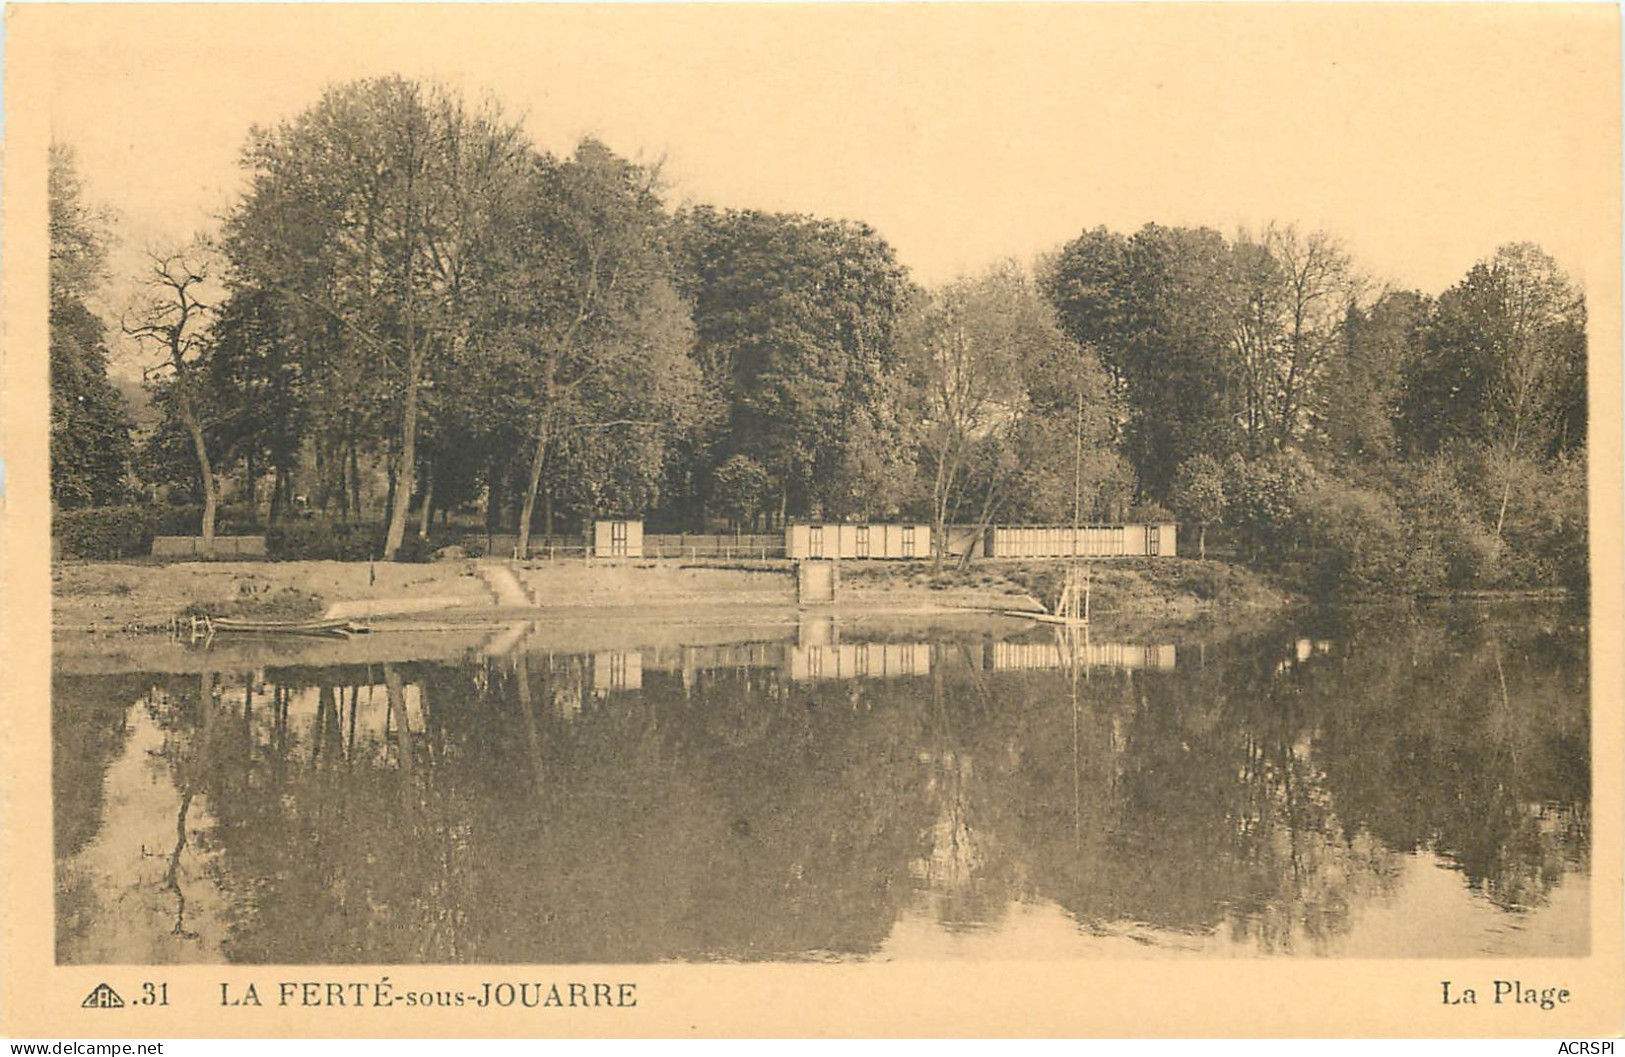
(1422, 136)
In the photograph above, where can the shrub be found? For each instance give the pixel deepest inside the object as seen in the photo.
(1263, 496)
(110, 533)
(103, 532)
(1042, 582)
(1449, 545)
(1357, 543)
(234, 520)
(187, 520)
(287, 604)
(1198, 495)
(1545, 529)
(1149, 514)
(1567, 545)
(415, 549)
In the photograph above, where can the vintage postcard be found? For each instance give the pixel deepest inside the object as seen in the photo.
(812, 520)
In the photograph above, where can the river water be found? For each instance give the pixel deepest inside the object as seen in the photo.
(1388, 785)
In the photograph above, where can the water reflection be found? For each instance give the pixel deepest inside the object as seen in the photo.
(1411, 786)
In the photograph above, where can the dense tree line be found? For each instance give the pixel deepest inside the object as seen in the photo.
(413, 311)
(1387, 441)
(90, 426)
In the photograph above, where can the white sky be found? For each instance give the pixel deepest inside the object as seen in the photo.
(1422, 136)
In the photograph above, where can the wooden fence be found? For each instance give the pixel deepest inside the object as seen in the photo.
(706, 545)
(655, 545)
(224, 546)
(503, 545)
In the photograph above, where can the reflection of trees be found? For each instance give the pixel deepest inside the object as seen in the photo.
(1268, 793)
(1175, 802)
(693, 827)
(496, 811)
(642, 828)
(1469, 738)
(172, 876)
(329, 848)
(187, 712)
(89, 728)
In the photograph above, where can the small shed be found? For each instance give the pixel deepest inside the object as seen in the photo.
(1162, 540)
(617, 539)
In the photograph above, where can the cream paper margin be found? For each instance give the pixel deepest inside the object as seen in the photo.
(1263, 997)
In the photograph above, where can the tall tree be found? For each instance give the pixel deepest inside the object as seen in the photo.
(1002, 395)
(599, 305)
(1504, 356)
(1068, 468)
(172, 317)
(1161, 307)
(1296, 290)
(366, 216)
(796, 323)
(1364, 380)
(256, 376)
(627, 416)
(1198, 495)
(90, 425)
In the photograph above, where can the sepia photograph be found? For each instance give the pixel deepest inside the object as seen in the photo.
(528, 519)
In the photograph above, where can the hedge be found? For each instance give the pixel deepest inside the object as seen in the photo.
(113, 532)
(345, 541)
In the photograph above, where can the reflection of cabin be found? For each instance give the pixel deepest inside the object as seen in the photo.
(818, 657)
(859, 660)
(617, 670)
(857, 541)
(1017, 656)
(617, 539)
(1085, 541)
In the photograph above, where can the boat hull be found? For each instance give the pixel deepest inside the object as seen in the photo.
(287, 627)
(1048, 618)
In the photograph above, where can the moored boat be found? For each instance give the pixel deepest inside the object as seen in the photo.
(321, 626)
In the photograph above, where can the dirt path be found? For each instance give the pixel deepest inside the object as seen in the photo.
(503, 584)
(369, 608)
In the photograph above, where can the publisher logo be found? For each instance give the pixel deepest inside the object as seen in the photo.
(102, 996)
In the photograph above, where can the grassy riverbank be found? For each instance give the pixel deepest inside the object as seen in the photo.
(107, 596)
(1129, 587)
(111, 597)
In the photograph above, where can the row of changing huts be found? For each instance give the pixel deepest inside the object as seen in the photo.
(624, 539)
